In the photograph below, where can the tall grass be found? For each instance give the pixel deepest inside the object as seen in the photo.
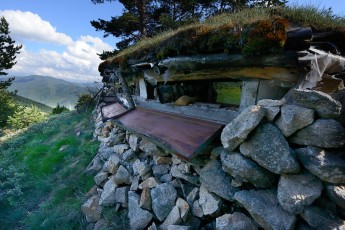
(303, 15)
(44, 166)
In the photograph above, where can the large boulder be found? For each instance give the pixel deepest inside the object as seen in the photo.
(327, 165)
(237, 130)
(163, 200)
(293, 118)
(337, 194)
(209, 202)
(322, 103)
(91, 209)
(268, 147)
(216, 180)
(263, 206)
(108, 194)
(246, 170)
(138, 218)
(320, 218)
(297, 191)
(323, 133)
(235, 221)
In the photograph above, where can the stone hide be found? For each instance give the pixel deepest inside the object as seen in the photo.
(280, 165)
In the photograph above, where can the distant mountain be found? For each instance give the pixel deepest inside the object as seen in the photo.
(28, 102)
(49, 91)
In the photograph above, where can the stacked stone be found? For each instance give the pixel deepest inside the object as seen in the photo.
(281, 166)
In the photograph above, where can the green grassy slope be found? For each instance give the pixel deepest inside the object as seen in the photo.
(48, 90)
(41, 174)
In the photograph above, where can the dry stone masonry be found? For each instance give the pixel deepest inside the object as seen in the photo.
(281, 165)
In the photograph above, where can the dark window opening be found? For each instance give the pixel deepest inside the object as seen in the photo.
(224, 93)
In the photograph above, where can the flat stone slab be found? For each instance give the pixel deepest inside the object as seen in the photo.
(269, 148)
(263, 206)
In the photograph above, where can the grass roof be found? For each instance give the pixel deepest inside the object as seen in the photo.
(233, 32)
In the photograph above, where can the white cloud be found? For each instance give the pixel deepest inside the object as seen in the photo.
(31, 26)
(78, 60)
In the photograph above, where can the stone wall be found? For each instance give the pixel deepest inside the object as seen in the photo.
(281, 166)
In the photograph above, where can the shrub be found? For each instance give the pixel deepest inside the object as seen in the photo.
(84, 102)
(59, 109)
(7, 107)
(25, 116)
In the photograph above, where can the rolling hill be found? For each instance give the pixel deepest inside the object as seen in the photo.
(48, 90)
(28, 102)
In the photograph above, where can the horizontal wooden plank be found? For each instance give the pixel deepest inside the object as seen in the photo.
(184, 136)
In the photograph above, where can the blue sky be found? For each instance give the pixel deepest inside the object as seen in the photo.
(59, 41)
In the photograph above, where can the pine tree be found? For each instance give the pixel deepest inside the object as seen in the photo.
(8, 53)
(8, 50)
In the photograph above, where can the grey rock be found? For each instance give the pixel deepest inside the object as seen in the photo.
(173, 218)
(95, 165)
(340, 96)
(271, 103)
(297, 191)
(166, 178)
(192, 196)
(122, 176)
(138, 218)
(320, 218)
(145, 199)
(216, 180)
(263, 206)
(150, 182)
(152, 227)
(337, 194)
(293, 118)
(100, 177)
(151, 149)
(327, 165)
(159, 170)
(177, 173)
(102, 224)
(135, 183)
(268, 147)
(134, 142)
(105, 152)
(120, 148)
(235, 221)
(322, 103)
(271, 112)
(128, 155)
(112, 164)
(140, 167)
(91, 209)
(108, 194)
(246, 170)
(116, 138)
(179, 227)
(197, 209)
(121, 195)
(184, 208)
(176, 160)
(163, 200)
(237, 131)
(323, 133)
(209, 202)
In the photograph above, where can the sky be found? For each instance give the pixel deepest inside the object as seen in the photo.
(59, 41)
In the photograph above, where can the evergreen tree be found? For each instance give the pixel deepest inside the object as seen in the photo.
(25, 116)
(59, 109)
(8, 53)
(8, 50)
